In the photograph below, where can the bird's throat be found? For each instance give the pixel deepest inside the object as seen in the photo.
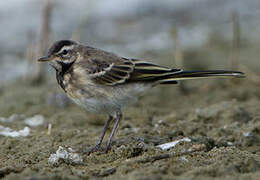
(63, 69)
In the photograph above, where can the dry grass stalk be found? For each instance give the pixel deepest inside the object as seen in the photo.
(49, 129)
(235, 52)
(44, 38)
(30, 55)
(235, 41)
(178, 56)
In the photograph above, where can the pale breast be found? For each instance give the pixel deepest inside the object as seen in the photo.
(101, 98)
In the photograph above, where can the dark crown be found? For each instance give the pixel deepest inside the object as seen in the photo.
(56, 47)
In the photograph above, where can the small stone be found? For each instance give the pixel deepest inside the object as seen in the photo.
(247, 134)
(172, 144)
(34, 121)
(229, 143)
(68, 157)
(54, 160)
(5, 131)
(183, 158)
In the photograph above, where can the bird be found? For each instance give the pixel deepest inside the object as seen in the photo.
(103, 82)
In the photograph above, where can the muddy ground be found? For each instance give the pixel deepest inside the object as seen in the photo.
(221, 117)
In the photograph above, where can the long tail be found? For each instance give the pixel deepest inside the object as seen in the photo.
(145, 71)
(185, 75)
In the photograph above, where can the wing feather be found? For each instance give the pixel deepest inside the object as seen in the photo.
(146, 71)
(130, 70)
(117, 73)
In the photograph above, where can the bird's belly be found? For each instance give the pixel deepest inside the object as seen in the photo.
(107, 100)
(107, 105)
(91, 104)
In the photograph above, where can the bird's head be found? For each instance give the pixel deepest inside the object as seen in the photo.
(61, 54)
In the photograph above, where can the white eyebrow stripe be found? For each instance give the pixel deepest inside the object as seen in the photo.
(66, 48)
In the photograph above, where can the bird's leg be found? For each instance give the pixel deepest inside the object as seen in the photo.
(117, 118)
(98, 145)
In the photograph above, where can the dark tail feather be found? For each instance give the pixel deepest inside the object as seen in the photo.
(185, 75)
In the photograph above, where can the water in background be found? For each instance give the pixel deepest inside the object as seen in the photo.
(129, 28)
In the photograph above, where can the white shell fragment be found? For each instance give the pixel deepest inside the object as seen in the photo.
(68, 157)
(183, 158)
(247, 134)
(5, 131)
(229, 143)
(12, 118)
(36, 120)
(172, 144)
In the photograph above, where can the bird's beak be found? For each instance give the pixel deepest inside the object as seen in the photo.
(45, 59)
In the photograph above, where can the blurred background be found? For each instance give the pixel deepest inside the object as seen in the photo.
(190, 34)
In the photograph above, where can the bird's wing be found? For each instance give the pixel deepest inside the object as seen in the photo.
(126, 70)
(111, 73)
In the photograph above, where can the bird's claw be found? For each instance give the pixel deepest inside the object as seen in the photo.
(98, 148)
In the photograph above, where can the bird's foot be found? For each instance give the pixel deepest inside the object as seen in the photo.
(98, 148)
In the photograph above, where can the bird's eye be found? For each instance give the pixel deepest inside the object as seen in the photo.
(64, 52)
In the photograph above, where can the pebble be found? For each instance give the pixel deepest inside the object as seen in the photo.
(69, 157)
(172, 144)
(34, 121)
(5, 131)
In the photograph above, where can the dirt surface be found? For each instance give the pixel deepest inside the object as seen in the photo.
(220, 117)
